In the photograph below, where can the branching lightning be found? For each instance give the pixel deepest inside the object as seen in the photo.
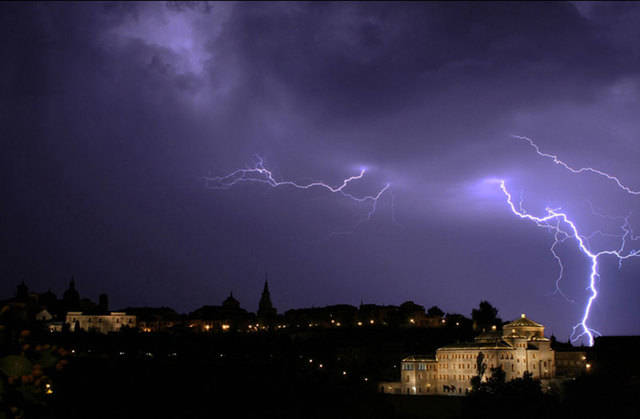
(556, 160)
(260, 174)
(564, 228)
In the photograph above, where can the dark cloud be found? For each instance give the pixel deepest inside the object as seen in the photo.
(355, 59)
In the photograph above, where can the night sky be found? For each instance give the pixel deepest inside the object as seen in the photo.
(112, 114)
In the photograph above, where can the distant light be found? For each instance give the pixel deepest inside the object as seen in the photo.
(493, 327)
(522, 316)
(332, 321)
(359, 323)
(338, 324)
(47, 385)
(344, 373)
(588, 366)
(207, 327)
(49, 391)
(366, 379)
(457, 323)
(371, 321)
(320, 366)
(225, 327)
(311, 361)
(444, 321)
(584, 358)
(412, 321)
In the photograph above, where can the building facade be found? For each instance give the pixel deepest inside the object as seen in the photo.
(520, 347)
(102, 323)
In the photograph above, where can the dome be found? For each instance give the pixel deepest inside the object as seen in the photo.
(231, 302)
(524, 328)
(523, 321)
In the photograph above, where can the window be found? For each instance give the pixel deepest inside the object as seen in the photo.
(407, 367)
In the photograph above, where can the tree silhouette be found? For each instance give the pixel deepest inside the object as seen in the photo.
(485, 316)
(435, 311)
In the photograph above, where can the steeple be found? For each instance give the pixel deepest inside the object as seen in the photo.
(265, 307)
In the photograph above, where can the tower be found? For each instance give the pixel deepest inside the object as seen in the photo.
(71, 297)
(266, 311)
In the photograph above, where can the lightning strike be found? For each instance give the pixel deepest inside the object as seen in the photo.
(564, 229)
(260, 174)
(556, 160)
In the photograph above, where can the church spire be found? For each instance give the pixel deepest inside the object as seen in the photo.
(265, 307)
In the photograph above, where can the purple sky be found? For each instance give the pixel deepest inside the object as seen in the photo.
(112, 113)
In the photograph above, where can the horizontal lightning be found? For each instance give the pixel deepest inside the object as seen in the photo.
(260, 174)
(556, 160)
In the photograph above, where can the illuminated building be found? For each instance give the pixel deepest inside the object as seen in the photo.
(520, 347)
(102, 323)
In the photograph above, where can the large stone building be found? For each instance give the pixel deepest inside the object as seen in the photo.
(102, 323)
(520, 347)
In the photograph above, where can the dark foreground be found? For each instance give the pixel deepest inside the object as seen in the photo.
(311, 375)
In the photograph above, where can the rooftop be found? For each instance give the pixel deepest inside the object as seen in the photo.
(523, 321)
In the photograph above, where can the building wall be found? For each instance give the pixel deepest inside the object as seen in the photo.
(570, 363)
(102, 323)
(521, 348)
(452, 370)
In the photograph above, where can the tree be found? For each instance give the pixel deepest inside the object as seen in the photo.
(435, 311)
(497, 381)
(485, 316)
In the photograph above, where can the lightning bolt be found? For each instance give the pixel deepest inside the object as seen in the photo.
(556, 160)
(260, 174)
(564, 228)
